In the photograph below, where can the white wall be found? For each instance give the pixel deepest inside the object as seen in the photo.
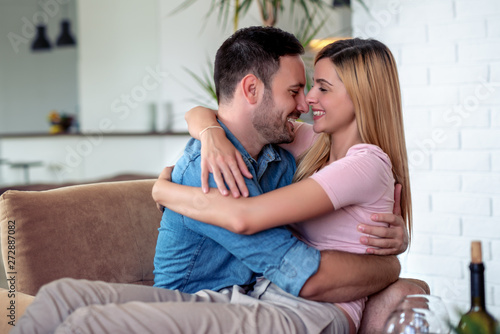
(118, 63)
(34, 83)
(448, 53)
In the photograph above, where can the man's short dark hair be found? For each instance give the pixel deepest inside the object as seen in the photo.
(255, 50)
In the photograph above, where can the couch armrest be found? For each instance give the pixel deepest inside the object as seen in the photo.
(103, 231)
(13, 306)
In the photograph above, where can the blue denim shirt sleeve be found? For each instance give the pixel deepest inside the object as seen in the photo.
(275, 253)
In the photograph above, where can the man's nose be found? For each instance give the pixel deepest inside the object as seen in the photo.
(310, 98)
(302, 105)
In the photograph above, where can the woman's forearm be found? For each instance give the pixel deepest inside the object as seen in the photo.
(232, 214)
(211, 207)
(244, 215)
(200, 118)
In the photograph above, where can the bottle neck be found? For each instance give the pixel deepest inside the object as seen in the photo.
(477, 286)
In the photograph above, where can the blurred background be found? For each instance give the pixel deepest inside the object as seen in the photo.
(129, 70)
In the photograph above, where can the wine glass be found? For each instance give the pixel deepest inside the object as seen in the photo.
(418, 314)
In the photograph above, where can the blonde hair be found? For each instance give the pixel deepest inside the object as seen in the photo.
(368, 71)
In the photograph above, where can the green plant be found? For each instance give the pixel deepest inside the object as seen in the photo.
(206, 82)
(315, 15)
(269, 10)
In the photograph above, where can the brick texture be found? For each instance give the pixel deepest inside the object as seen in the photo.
(448, 54)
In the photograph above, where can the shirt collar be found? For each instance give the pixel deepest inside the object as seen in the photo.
(267, 154)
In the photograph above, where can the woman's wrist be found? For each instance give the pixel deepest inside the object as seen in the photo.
(209, 128)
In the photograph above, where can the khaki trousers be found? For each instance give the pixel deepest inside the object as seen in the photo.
(80, 306)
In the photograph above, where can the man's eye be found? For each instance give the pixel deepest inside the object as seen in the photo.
(294, 92)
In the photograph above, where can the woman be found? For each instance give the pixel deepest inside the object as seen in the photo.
(347, 174)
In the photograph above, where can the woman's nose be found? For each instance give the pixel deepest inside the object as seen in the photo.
(310, 98)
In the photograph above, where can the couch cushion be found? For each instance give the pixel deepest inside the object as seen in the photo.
(104, 231)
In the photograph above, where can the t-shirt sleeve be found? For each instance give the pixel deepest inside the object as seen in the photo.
(360, 177)
(304, 138)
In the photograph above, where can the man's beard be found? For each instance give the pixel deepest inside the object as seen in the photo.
(269, 123)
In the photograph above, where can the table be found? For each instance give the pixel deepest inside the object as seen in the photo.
(25, 165)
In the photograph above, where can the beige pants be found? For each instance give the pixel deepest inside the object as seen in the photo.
(79, 306)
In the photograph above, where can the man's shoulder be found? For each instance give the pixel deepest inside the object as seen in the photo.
(283, 152)
(188, 167)
(192, 149)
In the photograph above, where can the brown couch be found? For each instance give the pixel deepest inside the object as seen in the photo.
(103, 231)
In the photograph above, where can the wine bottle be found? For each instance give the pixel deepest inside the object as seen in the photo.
(477, 319)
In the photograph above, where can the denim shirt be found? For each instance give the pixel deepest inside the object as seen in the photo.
(191, 255)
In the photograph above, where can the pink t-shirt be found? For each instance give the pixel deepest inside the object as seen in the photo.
(358, 185)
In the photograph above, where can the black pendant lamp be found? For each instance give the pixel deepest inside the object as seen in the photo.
(41, 43)
(65, 39)
(341, 3)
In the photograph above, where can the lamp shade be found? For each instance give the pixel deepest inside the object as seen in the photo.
(41, 42)
(65, 39)
(341, 3)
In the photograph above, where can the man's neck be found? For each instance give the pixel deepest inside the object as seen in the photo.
(240, 125)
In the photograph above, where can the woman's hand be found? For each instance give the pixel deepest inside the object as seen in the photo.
(218, 154)
(391, 240)
(224, 161)
(165, 175)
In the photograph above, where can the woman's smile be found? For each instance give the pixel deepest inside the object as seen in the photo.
(317, 114)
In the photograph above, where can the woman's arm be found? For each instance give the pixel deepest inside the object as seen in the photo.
(200, 118)
(218, 154)
(191, 201)
(297, 202)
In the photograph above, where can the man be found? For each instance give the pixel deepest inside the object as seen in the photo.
(203, 257)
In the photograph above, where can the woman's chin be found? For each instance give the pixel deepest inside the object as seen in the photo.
(317, 129)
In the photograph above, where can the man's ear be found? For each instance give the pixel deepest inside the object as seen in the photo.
(251, 87)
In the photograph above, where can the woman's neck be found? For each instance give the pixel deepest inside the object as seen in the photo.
(341, 143)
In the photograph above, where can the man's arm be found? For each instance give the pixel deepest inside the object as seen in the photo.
(344, 276)
(339, 277)
(273, 253)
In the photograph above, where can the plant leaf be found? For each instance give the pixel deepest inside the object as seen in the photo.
(185, 4)
(205, 81)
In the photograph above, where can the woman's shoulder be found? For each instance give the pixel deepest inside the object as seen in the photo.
(367, 150)
(369, 155)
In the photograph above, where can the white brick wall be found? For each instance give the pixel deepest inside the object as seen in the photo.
(448, 54)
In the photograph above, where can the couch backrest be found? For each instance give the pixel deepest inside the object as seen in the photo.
(102, 231)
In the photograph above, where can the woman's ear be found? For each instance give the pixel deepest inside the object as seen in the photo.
(251, 87)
